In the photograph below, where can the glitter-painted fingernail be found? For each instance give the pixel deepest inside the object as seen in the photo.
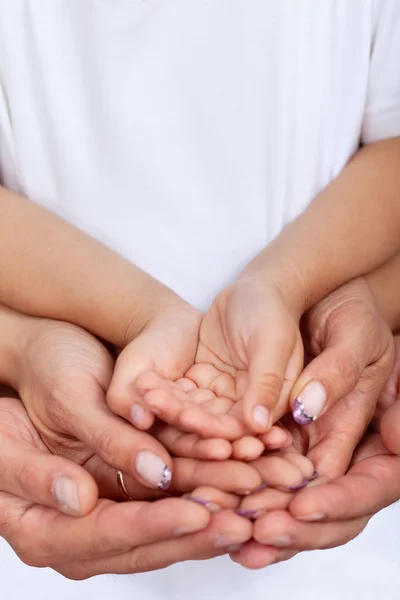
(211, 506)
(310, 403)
(152, 469)
(296, 488)
(314, 477)
(249, 514)
(262, 487)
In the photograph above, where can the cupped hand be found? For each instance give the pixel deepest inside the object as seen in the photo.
(352, 350)
(38, 488)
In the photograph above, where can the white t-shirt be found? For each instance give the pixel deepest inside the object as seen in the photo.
(185, 134)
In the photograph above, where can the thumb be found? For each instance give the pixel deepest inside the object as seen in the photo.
(274, 364)
(41, 478)
(337, 370)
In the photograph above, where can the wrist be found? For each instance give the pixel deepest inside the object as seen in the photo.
(162, 301)
(14, 329)
(267, 269)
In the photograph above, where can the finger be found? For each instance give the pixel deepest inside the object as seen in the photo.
(36, 475)
(339, 431)
(45, 538)
(369, 486)
(281, 530)
(276, 471)
(189, 445)
(256, 556)
(118, 443)
(390, 428)
(265, 500)
(176, 408)
(214, 499)
(248, 448)
(276, 438)
(225, 531)
(271, 357)
(334, 374)
(229, 476)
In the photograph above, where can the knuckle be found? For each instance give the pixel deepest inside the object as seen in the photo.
(270, 384)
(104, 443)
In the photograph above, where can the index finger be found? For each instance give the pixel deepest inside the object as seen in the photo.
(368, 487)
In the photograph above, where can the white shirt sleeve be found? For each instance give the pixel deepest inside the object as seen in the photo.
(382, 113)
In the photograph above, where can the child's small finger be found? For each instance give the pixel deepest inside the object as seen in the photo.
(303, 463)
(189, 445)
(205, 424)
(247, 448)
(281, 473)
(276, 438)
(266, 500)
(213, 498)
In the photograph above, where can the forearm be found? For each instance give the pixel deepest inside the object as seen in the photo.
(51, 269)
(385, 287)
(351, 228)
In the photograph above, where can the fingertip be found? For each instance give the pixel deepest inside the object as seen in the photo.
(75, 495)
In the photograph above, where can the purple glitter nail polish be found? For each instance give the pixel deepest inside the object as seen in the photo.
(211, 506)
(297, 488)
(299, 414)
(165, 479)
(249, 514)
(314, 477)
(262, 487)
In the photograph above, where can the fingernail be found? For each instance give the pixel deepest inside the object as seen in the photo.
(224, 540)
(152, 469)
(211, 506)
(187, 529)
(235, 548)
(296, 488)
(137, 415)
(65, 491)
(249, 514)
(262, 487)
(309, 404)
(282, 541)
(314, 477)
(312, 517)
(261, 416)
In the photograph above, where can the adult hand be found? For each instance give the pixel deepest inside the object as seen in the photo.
(353, 353)
(114, 537)
(62, 377)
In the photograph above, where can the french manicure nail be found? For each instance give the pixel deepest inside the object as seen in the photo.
(312, 517)
(65, 491)
(152, 469)
(261, 416)
(137, 415)
(249, 514)
(211, 506)
(310, 403)
(313, 477)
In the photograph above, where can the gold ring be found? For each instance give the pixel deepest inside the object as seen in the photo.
(122, 486)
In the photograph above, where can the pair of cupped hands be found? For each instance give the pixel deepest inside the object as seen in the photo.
(198, 413)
